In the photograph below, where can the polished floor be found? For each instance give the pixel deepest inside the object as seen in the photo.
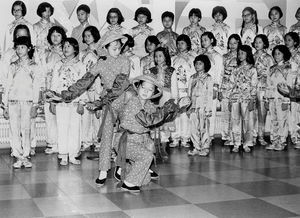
(259, 184)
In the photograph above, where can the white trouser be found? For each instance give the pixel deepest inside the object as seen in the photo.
(182, 124)
(51, 126)
(294, 120)
(68, 129)
(86, 127)
(19, 114)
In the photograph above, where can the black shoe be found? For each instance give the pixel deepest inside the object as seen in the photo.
(133, 189)
(100, 182)
(116, 175)
(154, 175)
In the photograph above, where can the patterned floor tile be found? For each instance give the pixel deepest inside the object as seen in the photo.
(19, 208)
(288, 202)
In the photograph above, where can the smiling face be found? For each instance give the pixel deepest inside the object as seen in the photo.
(218, 17)
(88, 37)
(194, 19)
(82, 16)
(146, 90)
(46, 14)
(275, 16)
(289, 42)
(150, 46)
(17, 11)
(278, 56)
(206, 41)
(159, 58)
(258, 44)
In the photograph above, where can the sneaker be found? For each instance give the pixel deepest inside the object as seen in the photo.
(235, 149)
(133, 189)
(100, 182)
(297, 146)
(193, 152)
(174, 144)
(116, 174)
(27, 163)
(204, 152)
(50, 151)
(270, 147)
(153, 175)
(18, 164)
(262, 141)
(185, 144)
(74, 161)
(63, 162)
(247, 149)
(279, 147)
(32, 151)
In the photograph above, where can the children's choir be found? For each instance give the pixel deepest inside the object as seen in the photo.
(131, 90)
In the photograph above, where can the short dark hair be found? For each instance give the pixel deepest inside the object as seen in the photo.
(236, 37)
(166, 53)
(74, 43)
(295, 37)
(94, 31)
(248, 50)
(221, 10)
(24, 40)
(186, 39)
(196, 12)
(118, 12)
(129, 42)
(152, 39)
(84, 8)
(277, 8)
(59, 30)
(42, 8)
(210, 35)
(23, 6)
(145, 11)
(264, 38)
(19, 27)
(205, 60)
(167, 14)
(284, 50)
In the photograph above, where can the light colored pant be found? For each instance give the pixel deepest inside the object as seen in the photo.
(68, 129)
(89, 127)
(51, 125)
(19, 113)
(225, 120)
(261, 113)
(182, 125)
(213, 118)
(294, 120)
(200, 129)
(279, 121)
(241, 131)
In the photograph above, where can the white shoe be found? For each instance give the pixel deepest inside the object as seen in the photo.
(297, 146)
(63, 162)
(18, 164)
(32, 151)
(185, 144)
(174, 144)
(50, 151)
(270, 147)
(235, 149)
(193, 152)
(204, 152)
(247, 149)
(75, 162)
(27, 163)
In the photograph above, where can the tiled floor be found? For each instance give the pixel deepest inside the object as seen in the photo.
(259, 184)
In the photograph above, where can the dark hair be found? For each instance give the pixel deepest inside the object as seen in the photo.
(118, 12)
(42, 8)
(196, 12)
(94, 31)
(284, 50)
(19, 27)
(296, 12)
(152, 39)
(84, 8)
(24, 40)
(59, 30)
(205, 60)
(145, 11)
(166, 53)
(210, 35)
(252, 11)
(167, 14)
(295, 37)
(264, 38)
(221, 10)
(277, 9)
(248, 50)
(23, 6)
(73, 42)
(236, 37)
(186, 39)
(129, 42)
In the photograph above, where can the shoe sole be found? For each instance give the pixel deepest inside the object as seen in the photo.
(131, 191)
(155, 178)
